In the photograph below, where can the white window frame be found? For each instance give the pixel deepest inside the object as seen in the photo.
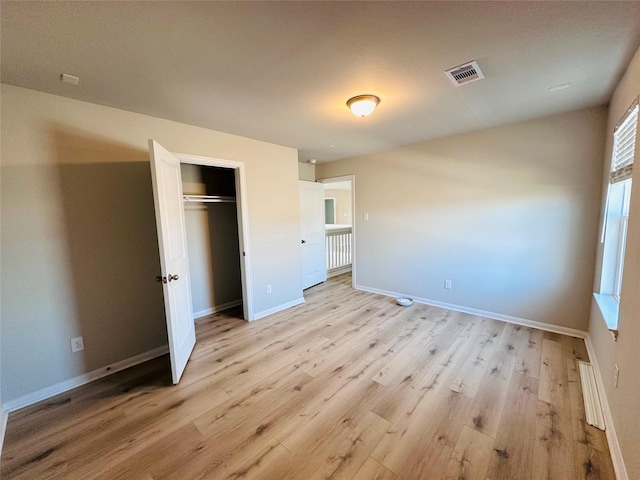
(623, 222)
(616, 218)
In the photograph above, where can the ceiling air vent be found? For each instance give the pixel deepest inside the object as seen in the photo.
(463, 74)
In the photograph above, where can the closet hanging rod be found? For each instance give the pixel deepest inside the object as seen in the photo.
(208, 199)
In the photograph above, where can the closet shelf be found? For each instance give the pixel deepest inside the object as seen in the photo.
(208, 199)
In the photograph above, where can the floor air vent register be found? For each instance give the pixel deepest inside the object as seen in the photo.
(592, 406)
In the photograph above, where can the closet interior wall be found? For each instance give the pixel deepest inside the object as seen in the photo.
(212, 239)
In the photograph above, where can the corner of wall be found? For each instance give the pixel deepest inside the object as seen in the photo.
(604, 352)
(610, 430)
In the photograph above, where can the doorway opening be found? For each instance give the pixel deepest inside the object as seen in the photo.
(211, 221)
(168, 200)
(340, 226)
(214, 207)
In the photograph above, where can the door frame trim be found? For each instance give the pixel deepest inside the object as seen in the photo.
(352, 179)
(243, 221)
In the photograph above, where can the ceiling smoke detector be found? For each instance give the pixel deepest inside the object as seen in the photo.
(463, 74)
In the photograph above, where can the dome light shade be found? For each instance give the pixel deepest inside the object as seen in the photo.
(363, 105)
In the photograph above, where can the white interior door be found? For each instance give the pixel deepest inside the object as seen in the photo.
(172, 240)
(314, 267)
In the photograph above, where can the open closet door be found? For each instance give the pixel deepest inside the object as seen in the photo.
(172, 240)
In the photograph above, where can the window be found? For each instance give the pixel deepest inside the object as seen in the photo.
(616, 218)
(622, 193)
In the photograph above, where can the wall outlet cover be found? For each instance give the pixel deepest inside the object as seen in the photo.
(77, 344)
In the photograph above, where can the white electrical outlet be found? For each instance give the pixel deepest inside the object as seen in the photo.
(616, 376)
(448, 284)
(77, 344)
(269, 288)
(365, 216)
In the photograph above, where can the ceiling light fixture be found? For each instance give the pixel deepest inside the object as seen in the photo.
(363, 105)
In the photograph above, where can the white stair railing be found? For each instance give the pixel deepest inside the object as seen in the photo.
(338, 246)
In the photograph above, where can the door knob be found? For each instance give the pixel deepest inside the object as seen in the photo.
(173, 277)
(304, 241)
(161, 279)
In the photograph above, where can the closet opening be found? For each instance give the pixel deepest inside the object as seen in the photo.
(211, 210)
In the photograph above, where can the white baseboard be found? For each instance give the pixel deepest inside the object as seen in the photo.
(572, 332)
(279, 308)
(3, 427)
(47, 392)
(216, 308)
(610, 430)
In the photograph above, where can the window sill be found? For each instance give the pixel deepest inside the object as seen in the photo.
(609, 308)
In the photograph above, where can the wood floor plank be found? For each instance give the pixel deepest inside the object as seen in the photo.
(472, 372)
(421, 348)
(260, 411)
(554, 383)
(489, 403)
(348, 385)
(470, 457)
(214, 461)
(400, 401)
(372, 470)
(514, 442)
(427, 456)
(553, 454)
(60, 419)
(175, 448)
(330, 417)
(347, 459)
(592, 464)
(458, 351)
(575, 348)
(424, 440)
(526, 345)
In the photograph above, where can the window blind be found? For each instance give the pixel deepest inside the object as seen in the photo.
(624, 143)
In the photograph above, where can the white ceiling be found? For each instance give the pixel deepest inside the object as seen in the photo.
(282, 71)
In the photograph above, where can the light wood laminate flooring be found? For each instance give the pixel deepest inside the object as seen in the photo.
(346, 386)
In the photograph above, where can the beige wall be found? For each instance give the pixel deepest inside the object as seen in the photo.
(343, 205)
(214, 260)
(79, 248)
(509, 214)
(307, 171)
(624, 400)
